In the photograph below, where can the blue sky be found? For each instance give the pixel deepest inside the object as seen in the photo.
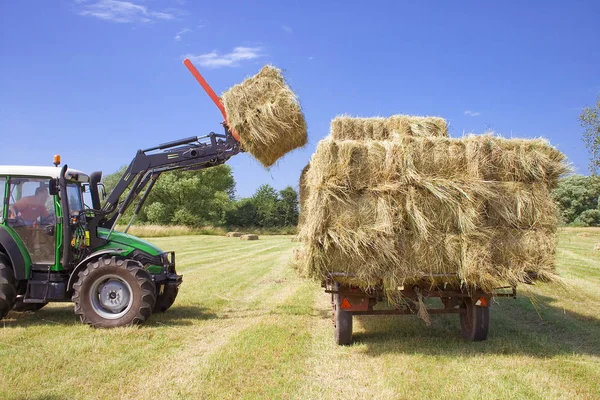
(96, 80)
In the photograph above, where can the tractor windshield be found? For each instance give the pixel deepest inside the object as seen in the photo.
(75, 198)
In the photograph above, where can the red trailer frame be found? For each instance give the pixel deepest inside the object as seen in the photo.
(473, 307)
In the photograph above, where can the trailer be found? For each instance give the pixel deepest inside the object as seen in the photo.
(473, 307)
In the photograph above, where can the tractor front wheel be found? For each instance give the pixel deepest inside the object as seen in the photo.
(113, 292)
(165, 299)
(8, 290)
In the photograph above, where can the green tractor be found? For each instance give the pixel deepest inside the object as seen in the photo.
(54, 247)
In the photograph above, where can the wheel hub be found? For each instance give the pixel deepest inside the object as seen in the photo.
(114, 296)
(111, 296)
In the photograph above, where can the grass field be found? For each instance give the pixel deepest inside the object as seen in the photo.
(245, 326)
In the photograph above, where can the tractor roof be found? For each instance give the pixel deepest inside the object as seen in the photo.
(45, 172)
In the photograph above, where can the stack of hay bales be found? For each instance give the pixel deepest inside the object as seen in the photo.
(266, 114)
(395, 201)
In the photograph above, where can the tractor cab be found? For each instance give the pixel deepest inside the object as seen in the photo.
(53, 247)
(32, 212)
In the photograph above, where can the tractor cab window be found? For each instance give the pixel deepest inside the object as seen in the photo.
(31, 215)
(75, 198)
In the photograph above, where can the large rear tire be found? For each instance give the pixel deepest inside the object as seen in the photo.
(475, 321)
(20, 306)
(8, 289)
(165, 299)
(342, 321)
(114, 292)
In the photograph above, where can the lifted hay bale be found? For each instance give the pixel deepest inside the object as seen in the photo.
(249, 237)
(234, 234)
(266, 114)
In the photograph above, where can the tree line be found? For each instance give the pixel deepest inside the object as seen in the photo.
(207, 197)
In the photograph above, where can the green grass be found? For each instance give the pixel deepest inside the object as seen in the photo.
(245, 326)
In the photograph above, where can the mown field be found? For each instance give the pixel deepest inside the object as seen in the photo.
(245, 326)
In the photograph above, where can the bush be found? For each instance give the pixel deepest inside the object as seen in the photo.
(588, 218)
(185, 217)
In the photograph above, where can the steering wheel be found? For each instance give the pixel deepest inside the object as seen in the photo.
(48, 219)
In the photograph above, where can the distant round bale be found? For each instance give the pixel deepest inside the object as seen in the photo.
(249, 237)
(234, 234)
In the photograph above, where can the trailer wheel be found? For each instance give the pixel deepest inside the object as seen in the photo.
(475, 322)
(113, 292)
(342, 321)
(8, 290)
(20, 306)
(165, 299)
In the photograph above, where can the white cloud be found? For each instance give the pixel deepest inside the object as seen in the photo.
(286, 29)
(311, 58)
(124, 12)
(472, 113)
(233, 59)
(182, 32)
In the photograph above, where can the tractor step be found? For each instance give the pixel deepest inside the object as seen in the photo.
(45, 286)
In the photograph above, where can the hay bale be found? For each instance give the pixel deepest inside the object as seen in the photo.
(302, 193)
(377, 128)
(396, 212)
(234, 234)
(249, 237)
(266, 114)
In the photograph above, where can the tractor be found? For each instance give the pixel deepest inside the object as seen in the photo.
(54, 247)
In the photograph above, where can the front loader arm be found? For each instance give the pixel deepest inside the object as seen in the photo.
(193, 153)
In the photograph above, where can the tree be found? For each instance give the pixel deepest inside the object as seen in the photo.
(243, 213)
(590, 122)
(265, 199)
(576, 194)
(288, 207)
(192, 198)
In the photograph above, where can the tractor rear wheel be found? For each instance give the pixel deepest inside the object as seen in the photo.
(8, 290)
(20, 306)
(113, 292)
(165, 299)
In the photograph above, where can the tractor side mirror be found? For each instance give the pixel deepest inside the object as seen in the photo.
(102, 190)
(53, 187)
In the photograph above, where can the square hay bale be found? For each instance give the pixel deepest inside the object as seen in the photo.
(378, 128)
(521, 205)
(249, 237)
(519, 160)
(234, 234)
(523, 254)
(266, 114)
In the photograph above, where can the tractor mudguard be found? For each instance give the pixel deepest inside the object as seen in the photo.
(14, 254)
(83, 263)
